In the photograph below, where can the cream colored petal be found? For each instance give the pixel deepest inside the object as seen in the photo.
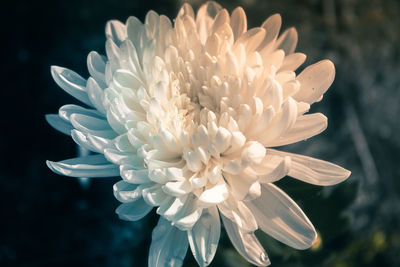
(282, 122)
(313, 171)
(305, 127)
(205, 18)
(168, 245)
(238, 22)
(238, 212)
(293, 61)
(280, 217)
(214, 195)
(204, 236)
(287, 41)
(314, 81)
(246, 243)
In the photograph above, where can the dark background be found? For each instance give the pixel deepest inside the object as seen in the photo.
(50, 220)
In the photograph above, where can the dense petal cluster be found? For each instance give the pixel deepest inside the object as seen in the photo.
(188, 113)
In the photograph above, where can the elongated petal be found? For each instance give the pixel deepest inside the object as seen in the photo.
(314, 81)
(313, 171)
(96, 95)
(71, 82)
(89, 166)
(284, 121)
(116, 31)
(246, 243)
(305, 127)
(168, 245)
(280, 217)
(97, 67)
(66, 111)
(126, 192)
(237, 212)
(288, 41)
(204, 236)
(59, 124)
(238, 22)
(133, 211)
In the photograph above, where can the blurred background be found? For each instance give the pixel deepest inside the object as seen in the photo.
(50, 220)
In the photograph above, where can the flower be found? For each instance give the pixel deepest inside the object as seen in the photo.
(188, 114)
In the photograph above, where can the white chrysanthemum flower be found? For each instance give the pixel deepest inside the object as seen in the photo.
(187, 113)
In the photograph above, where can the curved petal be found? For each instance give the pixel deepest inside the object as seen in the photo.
(59, 124)
(280, 217)
(126, 192)
(204, 236)
(238, 213)
(287, 41)
(89, 166)
(305, 127)
(97, 68)
(314, 81)
(238, 22)
(72, 83)
(205, 18)
(96, 94)
(168, 245)
(313, 171)
(133, 211)
(116, 31)
(246, 243)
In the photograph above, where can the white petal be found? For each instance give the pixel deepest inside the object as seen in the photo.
(92, 125)
(313, 171)
(97, 67)
(89, 166)
(59, 124)
(133, 211)
(253, 153)
(246, 243)
(177, 189)
(204, 236)
(123, 158)
(280, 217)
(305, 127)
(96, 95)
(215, 194)
(72, 83)
(134, 176)
(284, 121)
(116, 31)
(314, 81)
(237, 212)
(168, 246)
(82, 140)
(153, 195)
(274, 173)
(126, 192)
(66, 111)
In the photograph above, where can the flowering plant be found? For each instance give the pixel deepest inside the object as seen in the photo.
(188, 114)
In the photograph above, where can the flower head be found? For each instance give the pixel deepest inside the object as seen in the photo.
(187, 113)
